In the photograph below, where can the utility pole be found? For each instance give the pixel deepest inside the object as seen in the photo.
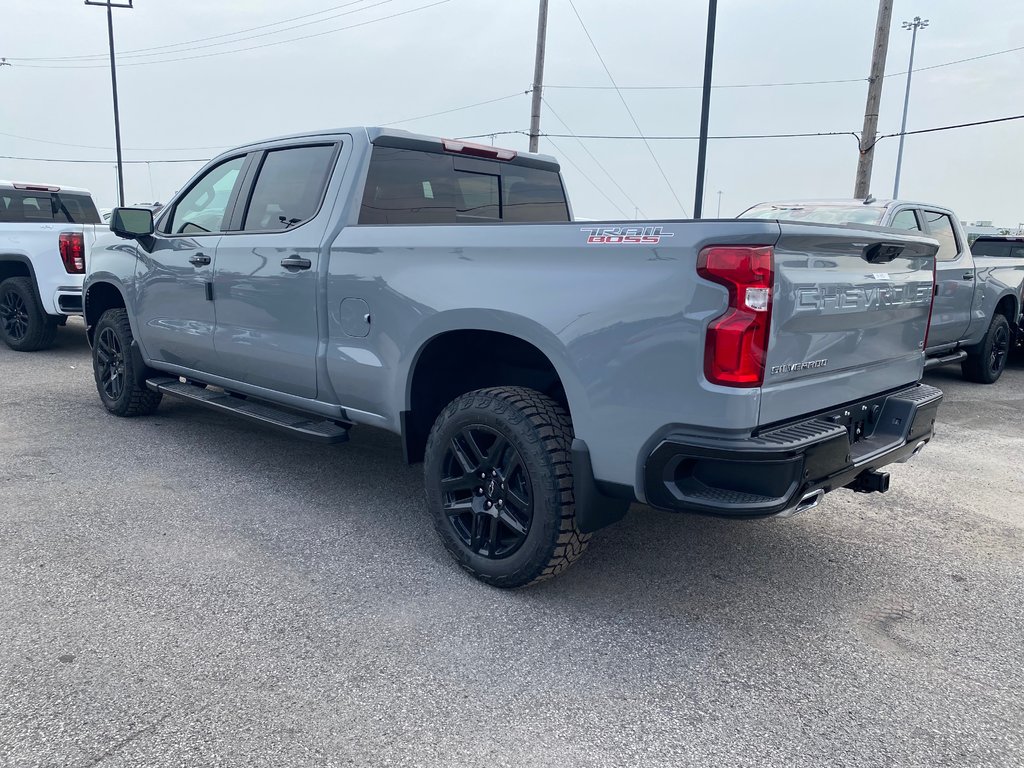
(917, 24)
(867, 137)
(110, 5)
(538, 75)
(705, 110)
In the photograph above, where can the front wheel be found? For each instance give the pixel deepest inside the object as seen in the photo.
(986, 365)
(117, 379)
(500, 487)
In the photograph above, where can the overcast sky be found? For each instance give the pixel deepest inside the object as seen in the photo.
(460, 52)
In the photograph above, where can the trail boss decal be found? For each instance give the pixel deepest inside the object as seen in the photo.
(625, 235)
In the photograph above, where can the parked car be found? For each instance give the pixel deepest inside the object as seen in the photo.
(547, 372)
(45, 235)
(998, 245)
(978, 299)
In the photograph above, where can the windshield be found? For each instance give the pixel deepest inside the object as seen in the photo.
(820, 214)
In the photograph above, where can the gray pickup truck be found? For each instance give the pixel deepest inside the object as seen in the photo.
(978, 298)
(547, 372)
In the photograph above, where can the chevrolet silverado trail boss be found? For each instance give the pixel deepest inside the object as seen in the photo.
(978, 298)
(45, 233)
(547, 372)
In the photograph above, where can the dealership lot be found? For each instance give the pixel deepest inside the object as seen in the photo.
(187, 589)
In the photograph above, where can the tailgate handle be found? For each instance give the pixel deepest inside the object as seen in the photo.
(882, 253)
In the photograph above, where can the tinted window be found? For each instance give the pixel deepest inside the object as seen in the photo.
(203, 207)
(941, 228)
(410, 187)
(998, 248)
(532, 194)
(476, 197)
(905, 220)
(289, 187)
(66, 207)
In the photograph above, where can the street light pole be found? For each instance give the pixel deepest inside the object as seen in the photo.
(705, 110)
(916, 24)
(719, 214)
(110, 5)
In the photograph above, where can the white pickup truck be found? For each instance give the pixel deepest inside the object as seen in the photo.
(46, 232)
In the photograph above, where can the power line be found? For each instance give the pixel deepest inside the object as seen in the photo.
(101, 162)
(584, 175)
(622, 98)
(183, 43)
(260, 35)
(457, 109)
(551, 136)
(775, 85)
(251, 47)
(95, 146)
(592, 157)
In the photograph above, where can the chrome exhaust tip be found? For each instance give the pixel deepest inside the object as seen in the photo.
(807, 502)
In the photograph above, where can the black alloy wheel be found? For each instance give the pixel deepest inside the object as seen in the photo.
(487, 494)
(1000, 349)
(110, 363)
(13, 315)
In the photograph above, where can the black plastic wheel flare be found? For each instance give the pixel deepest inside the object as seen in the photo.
(486, 492)
(14, 316)
(111, 363)
(1000, 350)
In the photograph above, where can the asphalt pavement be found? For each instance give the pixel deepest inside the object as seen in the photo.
(187, 589)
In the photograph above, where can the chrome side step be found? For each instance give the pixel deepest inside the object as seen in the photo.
(300, 425)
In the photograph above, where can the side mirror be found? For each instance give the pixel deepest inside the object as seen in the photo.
(131, 223)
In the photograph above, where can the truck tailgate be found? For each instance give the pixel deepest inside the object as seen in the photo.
(850, 312)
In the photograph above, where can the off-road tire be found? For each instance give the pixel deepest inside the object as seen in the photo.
(987, 363)
(541, 431)
(133, 398)
(36, 330)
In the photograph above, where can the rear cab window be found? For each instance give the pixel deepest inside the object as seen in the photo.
(408, 186)
(31, 206)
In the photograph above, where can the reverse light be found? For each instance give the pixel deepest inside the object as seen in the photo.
(737, 342)
(72, 252)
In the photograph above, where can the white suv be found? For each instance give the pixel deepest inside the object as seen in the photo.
(46, 232)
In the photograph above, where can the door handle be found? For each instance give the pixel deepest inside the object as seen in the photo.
(199, 259)
(968, 275)
(296, 262)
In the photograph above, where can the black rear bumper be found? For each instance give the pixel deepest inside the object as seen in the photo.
(779, 469)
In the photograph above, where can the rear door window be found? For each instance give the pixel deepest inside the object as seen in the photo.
(940, 226)
(289, 187)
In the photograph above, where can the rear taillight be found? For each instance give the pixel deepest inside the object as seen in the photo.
(737, 341)
(72, 252)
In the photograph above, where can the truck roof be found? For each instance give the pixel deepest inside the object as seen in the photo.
(41, 186)
(851, 201)
(381, 135)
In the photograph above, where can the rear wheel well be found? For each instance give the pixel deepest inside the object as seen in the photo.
(1007, 306)
(12, 268)
(462, 361)
(100, 298)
